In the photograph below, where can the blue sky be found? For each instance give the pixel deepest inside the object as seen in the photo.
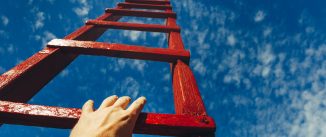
(260, 65)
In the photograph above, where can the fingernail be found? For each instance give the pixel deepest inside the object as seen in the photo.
(127, 97)
(144, 98)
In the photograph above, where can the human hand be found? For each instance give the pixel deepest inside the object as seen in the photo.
(111, 119)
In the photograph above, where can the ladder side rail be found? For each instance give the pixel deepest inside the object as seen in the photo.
(186, 93)
(187, 98)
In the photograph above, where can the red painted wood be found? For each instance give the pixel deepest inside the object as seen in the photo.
(132, 26)
(120, 50)
(144, 6)
(187, 99)
(147, 123)
(140, 13)
(35, 72)
(24, 80)
(149, 1)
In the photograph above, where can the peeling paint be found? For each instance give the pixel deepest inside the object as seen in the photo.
(10, 72)
(44, 51)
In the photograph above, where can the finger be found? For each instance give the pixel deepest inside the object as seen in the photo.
(109, 101)
(88, 106)
(137, 106)
(122, 102)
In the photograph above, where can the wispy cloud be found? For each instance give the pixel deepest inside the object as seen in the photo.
(39, 23)
(4, 20)
(259, 16)
(199, 66)
(84, 9)
(45, 37)
(133, 35)
(4, 34)
(275, 76)
(231, 40)
(64, 73)
(138, 65)
(130, 86)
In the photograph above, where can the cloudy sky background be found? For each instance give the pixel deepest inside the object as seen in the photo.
(260, 65)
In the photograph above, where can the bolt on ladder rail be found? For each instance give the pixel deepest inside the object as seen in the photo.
(21, 83)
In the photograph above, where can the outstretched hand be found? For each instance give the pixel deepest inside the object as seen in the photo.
(111, 119)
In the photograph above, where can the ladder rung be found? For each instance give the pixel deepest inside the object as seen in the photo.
(133, 26)
(147, 123)
(121, 50)
(149, 1)
(139, 13)
(144, 6)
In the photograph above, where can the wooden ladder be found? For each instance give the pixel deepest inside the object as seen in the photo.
(21, 83)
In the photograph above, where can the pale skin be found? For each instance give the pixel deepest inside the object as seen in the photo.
(111, 119)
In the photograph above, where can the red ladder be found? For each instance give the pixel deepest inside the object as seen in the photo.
(22, 82)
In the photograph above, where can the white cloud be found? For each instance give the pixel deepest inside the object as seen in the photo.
(103, 70)
(130, 87)
(30, 2)
(265, 71)
(47, 36)
(284, 73)
(5, 20)
(51, 1)
(260, 16)
(39, 23)
(267, 31)
(199, 66)
(64, 73)
(241, 100)
(266, 55)
(84, 10)
(167, 77)
(138, 64)
(4, 34)
(137, 20)
(231, 40)
(201, 36)
(10, 48)
(310, 29)
(314, 119)
(133, 35)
